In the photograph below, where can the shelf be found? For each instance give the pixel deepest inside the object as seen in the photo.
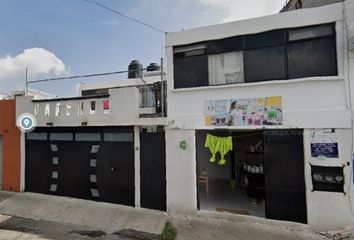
(249, 152)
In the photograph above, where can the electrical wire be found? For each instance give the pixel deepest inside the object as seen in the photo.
(125, 16)
(81, 76)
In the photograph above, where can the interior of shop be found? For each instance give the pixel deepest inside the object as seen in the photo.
(233, 183)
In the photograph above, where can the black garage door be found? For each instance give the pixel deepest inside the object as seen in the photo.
(153, 170)
(88, 163)
(284, 175)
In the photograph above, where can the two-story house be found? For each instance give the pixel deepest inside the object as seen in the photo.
(261, 117)
(108, 144)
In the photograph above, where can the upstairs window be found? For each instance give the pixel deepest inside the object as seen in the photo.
(273, 55)
(265, 56)
(190, 66)
(312, 52)
(225, 68)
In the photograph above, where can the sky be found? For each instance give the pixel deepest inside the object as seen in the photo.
(55, 38)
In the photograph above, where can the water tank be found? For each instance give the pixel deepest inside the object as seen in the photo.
(135, 69)
(153, 67)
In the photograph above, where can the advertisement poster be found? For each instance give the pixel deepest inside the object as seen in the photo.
(324, 143)
(244, 112)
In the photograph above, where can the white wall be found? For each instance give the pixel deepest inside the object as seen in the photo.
(181, 171)
(315, 102)
(329, 210)
(304, 17)
(123, 110)
(349, 66)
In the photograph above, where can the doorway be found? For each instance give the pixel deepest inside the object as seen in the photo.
(263, 174)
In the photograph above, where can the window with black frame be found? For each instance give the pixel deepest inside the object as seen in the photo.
(312, 52)
(273, 55)
(190, 66)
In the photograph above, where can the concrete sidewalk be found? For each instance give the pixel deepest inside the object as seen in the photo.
(96, 215)
(66, 218)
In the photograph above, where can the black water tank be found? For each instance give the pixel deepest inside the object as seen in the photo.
(135, 69)
(153, 67)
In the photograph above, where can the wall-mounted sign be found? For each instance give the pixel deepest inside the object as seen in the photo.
(244, 112)
(324, 143)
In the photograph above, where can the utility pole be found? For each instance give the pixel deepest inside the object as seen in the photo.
(26, 85)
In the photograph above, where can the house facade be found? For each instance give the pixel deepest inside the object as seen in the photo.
(106, 145)
(258, 122)
(271, 96)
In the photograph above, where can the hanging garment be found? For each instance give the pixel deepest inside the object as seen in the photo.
(221, 145)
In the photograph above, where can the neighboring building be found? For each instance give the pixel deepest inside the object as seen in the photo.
(10, 163)
(280, 88)
(106, 145)
(32, 92)
(291, 5)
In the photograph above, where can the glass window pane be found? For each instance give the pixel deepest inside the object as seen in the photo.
(312, 58)
(265, 39)
(95, 148)
(265, 64)
(191, 71)
(93, 163)
(55, 160)
(225, 68)
(87, 137)
(94, 192)
(225, 45)
(93, 178)
(193, 47)
(118, 137)
(54, 147)
(36, 136)
(54, 174)
(311, 32)
(53, 188)
(60, 136)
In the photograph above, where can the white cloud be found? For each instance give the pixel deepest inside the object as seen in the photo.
(37, 60)
(239, 9)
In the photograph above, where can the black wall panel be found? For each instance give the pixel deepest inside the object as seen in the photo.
(284, 175)
(265, 64)
(153, 170)
(312, 58)
(112, 175)
(191, 71)
(38, 167)
(265, 39)
(115, 172)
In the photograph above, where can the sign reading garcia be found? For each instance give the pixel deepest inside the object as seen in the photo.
(244, 112)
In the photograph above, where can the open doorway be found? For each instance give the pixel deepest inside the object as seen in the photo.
(238, 185)
(263, 174)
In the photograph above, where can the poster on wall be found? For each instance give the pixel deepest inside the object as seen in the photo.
(324, 143)
(244, 112)
(105, 105)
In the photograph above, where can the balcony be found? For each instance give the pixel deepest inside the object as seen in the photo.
(150, 101)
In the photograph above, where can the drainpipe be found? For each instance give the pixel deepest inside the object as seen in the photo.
(162, 92)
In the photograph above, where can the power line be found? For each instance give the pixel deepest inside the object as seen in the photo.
(125, 16)
(82, 76)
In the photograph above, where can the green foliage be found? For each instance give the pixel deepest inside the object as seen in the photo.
(169, 232)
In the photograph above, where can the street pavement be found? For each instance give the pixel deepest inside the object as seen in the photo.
(36, 216)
